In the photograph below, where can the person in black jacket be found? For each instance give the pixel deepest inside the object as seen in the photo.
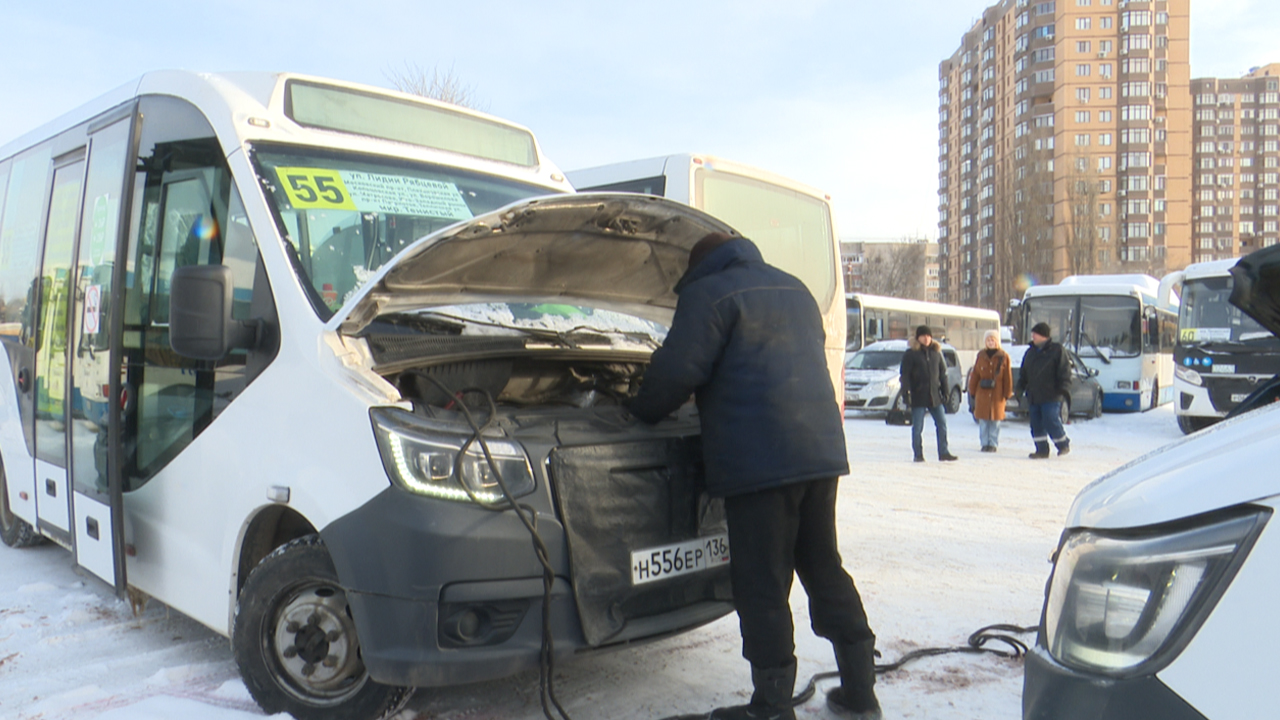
(747, 342)
(923, 377)
(1045, 379)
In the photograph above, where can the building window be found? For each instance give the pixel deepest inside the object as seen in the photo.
(1104, 163)
(1082, 94)
(1082, 46)
(1104, 46)
(1104, 115)
(1083, 70)
(1082, 116)
(1084, 23)
(1105, 92)
(1105, 22)
(1136, 42)
(1104, 138)
(1135, 112)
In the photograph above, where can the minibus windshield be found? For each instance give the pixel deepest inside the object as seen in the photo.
(346, 215)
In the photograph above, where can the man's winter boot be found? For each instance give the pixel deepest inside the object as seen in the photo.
(1042, 450)
(855, 699)
(1064, 446)
(771, 699)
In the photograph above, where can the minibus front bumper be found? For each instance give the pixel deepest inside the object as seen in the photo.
(446, 592)
(1053, 691)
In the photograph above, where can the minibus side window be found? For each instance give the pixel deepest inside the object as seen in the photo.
(20, 242)
(187, 212)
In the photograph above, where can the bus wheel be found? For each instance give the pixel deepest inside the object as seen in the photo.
(295, 641)
(14, 531)
(1191, 423)
(1155, 394)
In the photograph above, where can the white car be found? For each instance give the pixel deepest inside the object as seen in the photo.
(871, 375)
(1162, 599)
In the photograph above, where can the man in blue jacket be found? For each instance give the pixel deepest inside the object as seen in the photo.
(747, 342)
(1045, 378)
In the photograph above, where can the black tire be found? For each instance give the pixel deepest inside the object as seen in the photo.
(1192, 423)
(293, 597)
(14, 531)
(1155, 395)
(1064, 411)
(953, 401)
(1097, 406)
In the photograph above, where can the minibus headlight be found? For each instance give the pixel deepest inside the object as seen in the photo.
(1115, 602)
(1187, 375)
(424, 462)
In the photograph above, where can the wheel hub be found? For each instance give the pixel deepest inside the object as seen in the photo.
(315, 643)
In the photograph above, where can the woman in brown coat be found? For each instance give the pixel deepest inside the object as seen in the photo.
(990, 384)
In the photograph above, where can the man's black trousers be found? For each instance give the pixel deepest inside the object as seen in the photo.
(774, 534)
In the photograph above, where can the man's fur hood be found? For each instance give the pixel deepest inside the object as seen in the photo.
(914, 344)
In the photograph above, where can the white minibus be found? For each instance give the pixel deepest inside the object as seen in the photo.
(335, 371)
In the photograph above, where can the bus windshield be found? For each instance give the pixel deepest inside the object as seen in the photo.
(346, 215)
(1206, 316)
(793, 230)
(1104, 326)
(853, 333)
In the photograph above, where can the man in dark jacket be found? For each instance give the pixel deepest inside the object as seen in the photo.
(923, 377)
(1045, 379)
(747, 341)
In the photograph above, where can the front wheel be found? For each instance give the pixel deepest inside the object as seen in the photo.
(1097, 406)
(1064, 411)
(14, 531)
(953, 401)
(295, 640)
(1191, 423)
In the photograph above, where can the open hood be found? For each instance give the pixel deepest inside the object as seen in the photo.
(1255, 287)
(613, 250)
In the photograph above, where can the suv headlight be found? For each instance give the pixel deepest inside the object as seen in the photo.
(1187, 375)
(427, 462)
(1117, 600)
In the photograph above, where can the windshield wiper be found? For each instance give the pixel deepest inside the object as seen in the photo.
(1085, 336)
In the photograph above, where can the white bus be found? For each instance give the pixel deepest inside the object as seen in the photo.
(1118, 326)
(791, 223)
(1222, 355)
(334, 371)
(872, 318)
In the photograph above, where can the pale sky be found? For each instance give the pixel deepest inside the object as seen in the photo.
(839, 94)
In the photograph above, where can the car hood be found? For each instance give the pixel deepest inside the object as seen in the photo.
(617, 251)
(1225, 465)
(868, 375)
(1255, 287)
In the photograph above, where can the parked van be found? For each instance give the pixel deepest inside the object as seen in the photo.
(1162, 599)
(349, 365)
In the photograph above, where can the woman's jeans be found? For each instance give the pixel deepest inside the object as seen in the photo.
(989, 433)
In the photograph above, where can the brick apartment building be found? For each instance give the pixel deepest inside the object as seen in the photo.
(1064, 146)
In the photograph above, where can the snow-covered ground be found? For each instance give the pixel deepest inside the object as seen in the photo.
(937, 550)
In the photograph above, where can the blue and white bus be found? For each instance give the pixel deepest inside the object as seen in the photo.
(1222, 354)
(1117, 325)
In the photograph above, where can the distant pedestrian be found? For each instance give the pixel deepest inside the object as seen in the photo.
(1045, 378)
(924, 380)
(990, 385)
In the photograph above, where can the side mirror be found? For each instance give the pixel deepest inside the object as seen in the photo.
(200, 324)
(1093, 372)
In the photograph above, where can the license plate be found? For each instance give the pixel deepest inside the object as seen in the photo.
(690, 556)
(1238, 397)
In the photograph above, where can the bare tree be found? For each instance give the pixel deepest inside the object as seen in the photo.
(1024, 219)
(436, 84)
(1082, 218)
(895, 269)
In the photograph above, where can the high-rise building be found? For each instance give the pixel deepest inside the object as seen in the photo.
(1064, 146)
(1234, 210)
